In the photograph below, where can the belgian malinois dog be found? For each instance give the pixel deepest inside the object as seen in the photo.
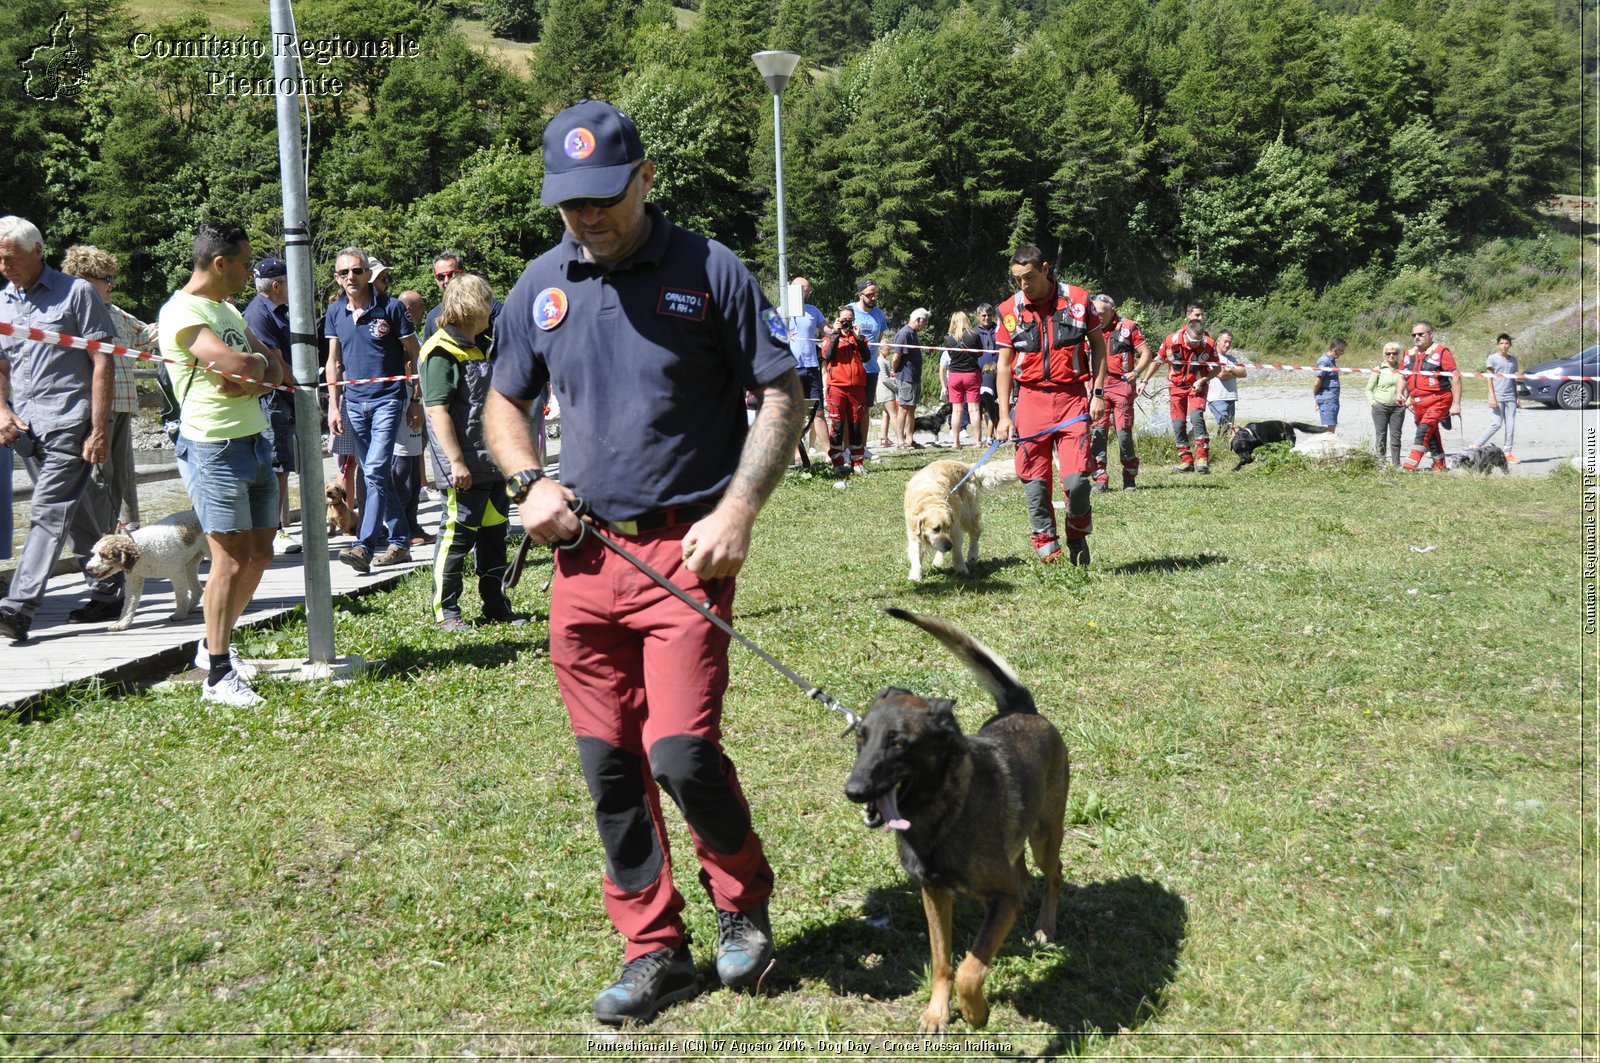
(963, 808)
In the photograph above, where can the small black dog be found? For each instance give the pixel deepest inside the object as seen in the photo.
(1246, 438)
(934, 422)
(1485, 459)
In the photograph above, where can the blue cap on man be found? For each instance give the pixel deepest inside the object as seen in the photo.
(589, 153)
(269, 268)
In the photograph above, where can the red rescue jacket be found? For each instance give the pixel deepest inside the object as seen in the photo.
(1051, 350)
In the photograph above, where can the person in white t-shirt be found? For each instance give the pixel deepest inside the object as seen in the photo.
(1222, 397)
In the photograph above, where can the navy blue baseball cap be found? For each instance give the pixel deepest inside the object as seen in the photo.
(269, 268)
(589, 152)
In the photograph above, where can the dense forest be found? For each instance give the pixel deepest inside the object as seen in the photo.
(1230, 149)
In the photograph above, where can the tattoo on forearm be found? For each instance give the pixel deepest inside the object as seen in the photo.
(771, 442)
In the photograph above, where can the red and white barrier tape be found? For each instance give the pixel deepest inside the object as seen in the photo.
(63, 339)
(1307, 368)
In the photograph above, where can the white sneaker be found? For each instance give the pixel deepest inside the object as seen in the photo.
(284, 543)
(230, 690)
(241, 667)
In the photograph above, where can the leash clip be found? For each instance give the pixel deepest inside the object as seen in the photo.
(833, 704)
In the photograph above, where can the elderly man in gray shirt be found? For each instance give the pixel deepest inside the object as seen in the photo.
(55, 409)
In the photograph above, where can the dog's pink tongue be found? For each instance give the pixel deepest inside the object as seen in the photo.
(889, 809)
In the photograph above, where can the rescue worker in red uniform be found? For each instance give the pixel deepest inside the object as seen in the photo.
(1049, 342)
(844, 376)
(1123, 341)
(1430, 383)
(1192, 357)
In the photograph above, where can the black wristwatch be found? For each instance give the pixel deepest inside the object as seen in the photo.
(519, 483)
(1099, 393)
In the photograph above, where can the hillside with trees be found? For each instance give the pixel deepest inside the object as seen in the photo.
(1232, 149)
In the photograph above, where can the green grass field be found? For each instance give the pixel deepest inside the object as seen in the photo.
(1326, 736)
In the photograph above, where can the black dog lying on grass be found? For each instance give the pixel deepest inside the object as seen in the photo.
(1246, 438)
(1485, 459)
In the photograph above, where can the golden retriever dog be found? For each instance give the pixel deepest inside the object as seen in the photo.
(939, 517)
(341, 518)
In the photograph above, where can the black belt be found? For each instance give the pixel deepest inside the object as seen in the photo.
(671, 517)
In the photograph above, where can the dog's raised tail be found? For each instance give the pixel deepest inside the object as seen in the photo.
(994, 473)
(1301, 426)
(994, 674)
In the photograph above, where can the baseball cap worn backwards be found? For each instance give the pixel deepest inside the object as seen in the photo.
(589, 152)
(269, 268)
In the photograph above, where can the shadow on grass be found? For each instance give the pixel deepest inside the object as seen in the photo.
(1115, 952)
(1167, 564)
(982, 578)
(407, 661)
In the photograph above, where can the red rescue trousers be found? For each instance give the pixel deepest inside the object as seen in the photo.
(643, 676)
(1429, 409)
(1038, 410)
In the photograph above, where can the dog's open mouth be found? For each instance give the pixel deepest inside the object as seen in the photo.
(884, 811)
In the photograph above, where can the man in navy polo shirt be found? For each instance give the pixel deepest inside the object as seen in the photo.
(650, 335)
(369, 336)
(268, 317)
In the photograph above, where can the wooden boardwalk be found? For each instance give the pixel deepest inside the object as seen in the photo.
(58, 654)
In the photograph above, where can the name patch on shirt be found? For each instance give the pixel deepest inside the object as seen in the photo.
(676, 302)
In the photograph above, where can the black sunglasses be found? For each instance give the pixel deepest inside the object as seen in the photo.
(353, 271)
(609, 201)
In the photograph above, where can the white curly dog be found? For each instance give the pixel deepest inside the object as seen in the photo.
(170, 549)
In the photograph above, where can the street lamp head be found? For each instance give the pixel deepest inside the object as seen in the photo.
(776, 68)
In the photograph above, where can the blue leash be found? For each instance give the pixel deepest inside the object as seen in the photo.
(996, 445)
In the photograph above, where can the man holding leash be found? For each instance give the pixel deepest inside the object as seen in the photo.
(1191, 355)
(650, 335)
(1430, 383)
(1050, 342)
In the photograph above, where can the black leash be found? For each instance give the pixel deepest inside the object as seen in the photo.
(580, 509)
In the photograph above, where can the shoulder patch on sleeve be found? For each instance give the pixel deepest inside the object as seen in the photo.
(775, 325)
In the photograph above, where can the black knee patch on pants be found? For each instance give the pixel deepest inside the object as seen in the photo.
(1076, 487)
(1041, 514)
(621, 813)
(1125, 443)
(695, 772)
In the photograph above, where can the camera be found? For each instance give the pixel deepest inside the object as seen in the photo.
(846, 326)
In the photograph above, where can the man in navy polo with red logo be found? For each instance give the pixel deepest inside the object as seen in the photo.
(370, 337)
(1050, 343)
(650, 336)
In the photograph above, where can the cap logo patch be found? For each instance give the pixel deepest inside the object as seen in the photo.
(579, 144)
(550, 308)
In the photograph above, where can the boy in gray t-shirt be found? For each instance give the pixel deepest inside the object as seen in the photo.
(1502, 397)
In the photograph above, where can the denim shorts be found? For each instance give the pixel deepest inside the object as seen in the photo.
(1328, 410)
(230, 482)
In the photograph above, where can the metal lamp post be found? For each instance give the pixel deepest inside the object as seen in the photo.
(776, 68)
